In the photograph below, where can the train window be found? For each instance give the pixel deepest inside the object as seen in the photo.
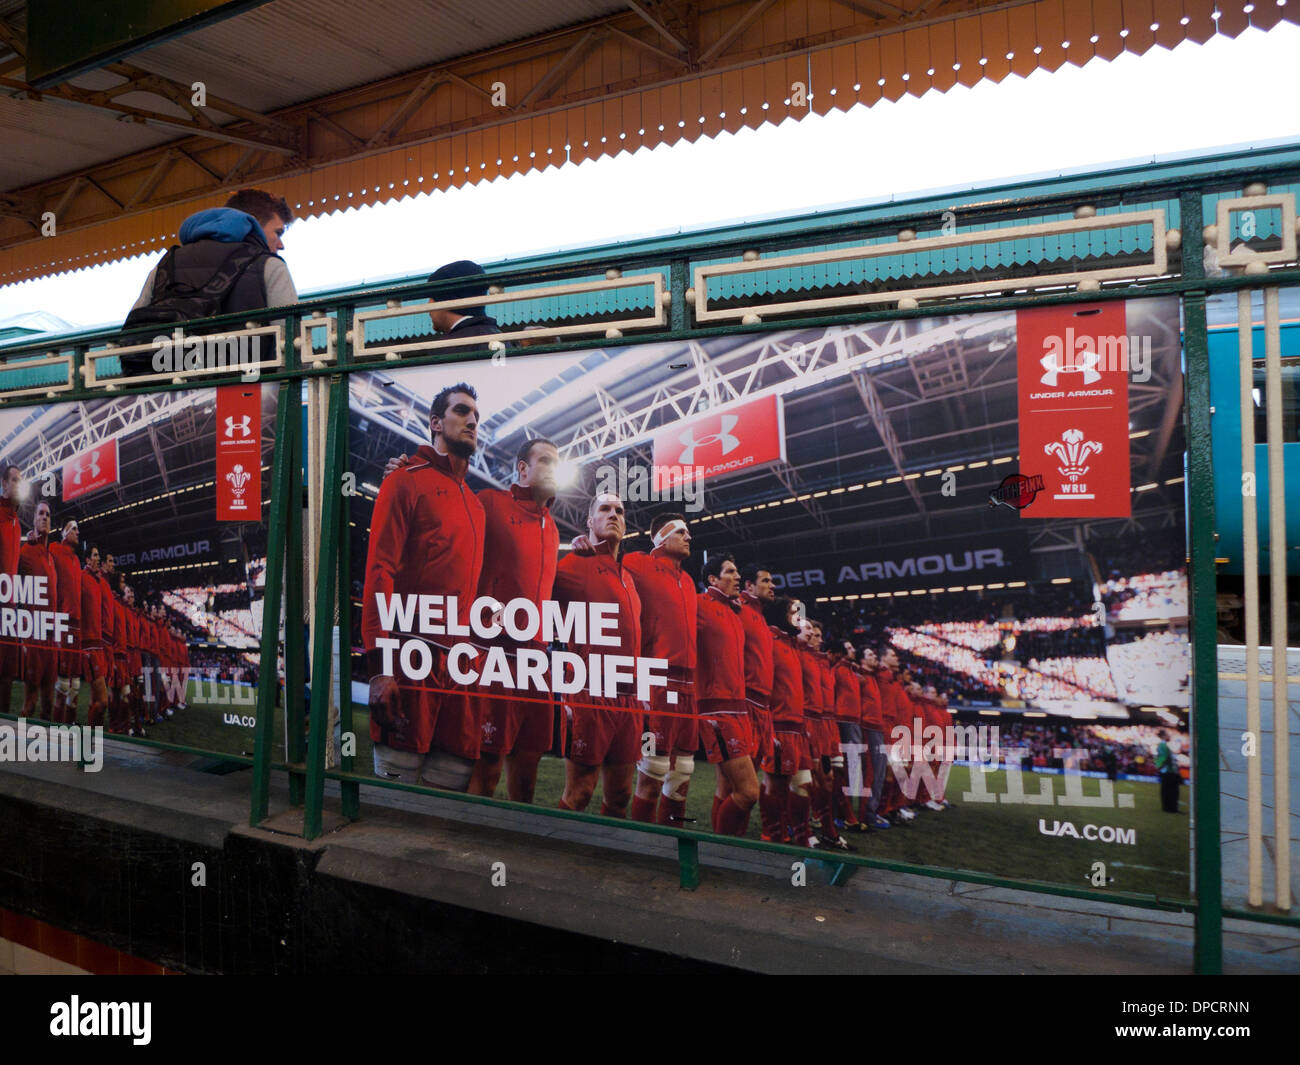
(1290, 404)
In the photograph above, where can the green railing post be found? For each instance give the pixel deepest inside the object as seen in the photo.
(295, 680)
(350, 790)
(1208, 865)
(268, 675)
(688, 863)
(679, 280)
(323, 622)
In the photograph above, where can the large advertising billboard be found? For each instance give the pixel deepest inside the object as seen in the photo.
(831, 586)
(131, 600)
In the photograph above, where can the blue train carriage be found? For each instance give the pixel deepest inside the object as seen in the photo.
(1225, 395)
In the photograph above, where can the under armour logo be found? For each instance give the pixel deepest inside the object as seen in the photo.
(238, 478)
(88, 465)
(723, 436)
(240, 424)
(1086, 365)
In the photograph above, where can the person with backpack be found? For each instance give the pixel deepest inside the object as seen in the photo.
(226, 262)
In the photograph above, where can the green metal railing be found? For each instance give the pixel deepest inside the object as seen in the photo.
(1183, 189)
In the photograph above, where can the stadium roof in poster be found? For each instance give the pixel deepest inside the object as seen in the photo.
(334, 111)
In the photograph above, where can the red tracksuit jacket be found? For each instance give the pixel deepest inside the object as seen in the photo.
(812, 682)
(601, 578)
(758, 650)
(828, 683)
(107, 613)
(92, 590)
(34, 558)
(521, 547)
(720, 676)
(848, 705)
(11, 537)
(891, 708)
(787, 680)
(68, 568)
(668, 620)
(869, 693)
(426, 537)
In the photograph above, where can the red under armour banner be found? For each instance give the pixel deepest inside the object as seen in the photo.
(733, 440)
(239, 453)
(89, 471)
(1073, 364)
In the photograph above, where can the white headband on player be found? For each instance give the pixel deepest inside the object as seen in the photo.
(70, 527)
(676, 525)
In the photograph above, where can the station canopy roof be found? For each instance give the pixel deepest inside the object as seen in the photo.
(335, 104)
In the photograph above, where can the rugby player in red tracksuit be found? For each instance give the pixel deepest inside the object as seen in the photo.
(40, 656)
(182, 664)
(172, 682)
(134, 689)
(108, 625)
(426, 537)
(921, 717)
(848, 723)
(68, 667)
(604, 732)
(758, 590)
(949, 752)
(520, 553)
(11, 536)
(93, 657)
(149, 666)
(668, 631)
(725, 724)
(122, 630)
(932, 716)
(783, 806)
(894, 713)
(819, 726)
(875, 762)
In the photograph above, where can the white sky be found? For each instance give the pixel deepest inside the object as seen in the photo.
(1198, 98)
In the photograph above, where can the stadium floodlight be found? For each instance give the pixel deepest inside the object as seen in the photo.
(566, 474)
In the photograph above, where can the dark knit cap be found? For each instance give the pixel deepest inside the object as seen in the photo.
(474, 283)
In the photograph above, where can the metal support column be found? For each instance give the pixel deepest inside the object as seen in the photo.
(268, 675)
(322, 689)
(1207, 871)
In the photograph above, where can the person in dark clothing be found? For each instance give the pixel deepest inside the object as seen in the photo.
(250, 226)
(465, 321)
(226, 262)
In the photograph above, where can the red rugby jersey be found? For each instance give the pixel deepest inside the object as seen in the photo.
(426, 538)
(601, 578)
(787, 679)
(758, 648)
(720, 677)
(668, 618)
(521, 546)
